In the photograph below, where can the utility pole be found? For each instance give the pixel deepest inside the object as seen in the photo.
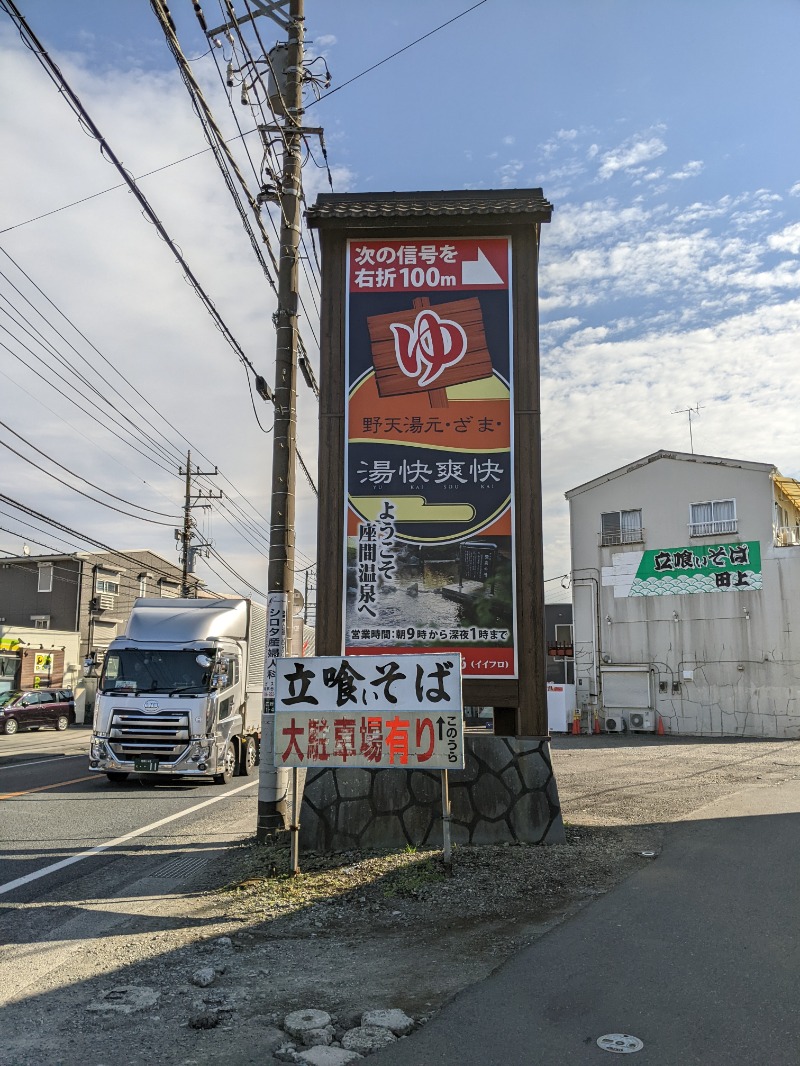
(186, 534)
(285, 88)
(310, 579)
(272, 808)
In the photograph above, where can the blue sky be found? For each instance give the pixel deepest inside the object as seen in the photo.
(665, 137)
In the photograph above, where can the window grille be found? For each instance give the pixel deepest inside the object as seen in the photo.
(621, 527)
(712, 518)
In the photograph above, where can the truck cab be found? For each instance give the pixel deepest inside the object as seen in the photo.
(181, 692)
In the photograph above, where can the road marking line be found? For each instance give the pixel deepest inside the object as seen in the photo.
(39, 762)
(44, 788)
(9, 886)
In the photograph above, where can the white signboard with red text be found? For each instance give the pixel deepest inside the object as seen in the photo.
(370, 711)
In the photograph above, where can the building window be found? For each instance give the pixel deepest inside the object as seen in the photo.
(712, 518)
(105, 585)
(168, 590)
(621, 527)
(143, 585)
(40, 621)
(564, 634)
(45, 577)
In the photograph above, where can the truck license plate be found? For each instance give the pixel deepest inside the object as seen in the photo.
(145, 766)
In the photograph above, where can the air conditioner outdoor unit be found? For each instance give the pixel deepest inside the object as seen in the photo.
(641, 721)
(615, 723)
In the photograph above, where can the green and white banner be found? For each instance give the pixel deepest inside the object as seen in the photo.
(678, 571)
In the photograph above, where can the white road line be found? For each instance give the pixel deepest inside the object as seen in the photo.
(11, 885)
(39, 762)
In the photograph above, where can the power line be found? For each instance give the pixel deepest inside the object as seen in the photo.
(94, 348)
(246, 133)
(176, 453)
(400, 51)
(61, 481)
(55, 75)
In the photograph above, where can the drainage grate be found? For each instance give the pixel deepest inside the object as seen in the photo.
(182, 866)
(620, 1043)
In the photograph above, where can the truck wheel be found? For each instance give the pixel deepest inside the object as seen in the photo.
(228, 766)
(249, 755)
(117, 775)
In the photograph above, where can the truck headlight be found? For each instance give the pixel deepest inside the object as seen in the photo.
(97, 750)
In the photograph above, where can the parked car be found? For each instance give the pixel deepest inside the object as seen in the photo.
(36, 707)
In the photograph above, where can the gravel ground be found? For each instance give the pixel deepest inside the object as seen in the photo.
(360, 932)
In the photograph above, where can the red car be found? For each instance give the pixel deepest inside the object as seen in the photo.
(35, 708)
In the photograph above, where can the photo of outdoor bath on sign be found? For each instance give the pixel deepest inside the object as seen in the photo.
(370, 711)
(429, 548)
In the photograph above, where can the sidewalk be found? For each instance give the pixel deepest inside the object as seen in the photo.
(698, 955)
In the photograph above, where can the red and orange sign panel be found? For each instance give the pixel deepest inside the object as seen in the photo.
(429, 557)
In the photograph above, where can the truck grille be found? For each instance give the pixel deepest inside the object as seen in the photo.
(163, 736)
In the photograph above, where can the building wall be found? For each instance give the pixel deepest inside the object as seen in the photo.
(67, 663)
(558, 670)
(103, 615)
(76, 603)
(720, 663)
(20, 601)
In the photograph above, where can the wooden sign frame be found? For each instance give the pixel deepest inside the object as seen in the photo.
(520, 703)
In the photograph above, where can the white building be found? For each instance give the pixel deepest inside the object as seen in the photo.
(686, 594)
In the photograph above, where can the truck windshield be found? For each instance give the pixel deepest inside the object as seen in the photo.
(135, 670)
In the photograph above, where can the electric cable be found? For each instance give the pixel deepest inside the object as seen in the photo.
(61, 481)
(92, 414)
(249, 60)
(178, 457)
(54, 73)
(126, 425)
(399, 51)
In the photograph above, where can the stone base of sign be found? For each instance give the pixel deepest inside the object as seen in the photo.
(506, 793)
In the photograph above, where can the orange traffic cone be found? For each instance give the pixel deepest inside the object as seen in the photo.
(576, 724)
(660, 728)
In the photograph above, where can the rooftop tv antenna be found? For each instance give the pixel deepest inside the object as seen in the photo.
(690, 411)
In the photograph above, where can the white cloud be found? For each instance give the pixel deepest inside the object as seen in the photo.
(688, 170)
(509, 173)
(629, 155)
(788, 240)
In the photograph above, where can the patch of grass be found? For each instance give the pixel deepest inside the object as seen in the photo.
(409, 880)
(261, 876)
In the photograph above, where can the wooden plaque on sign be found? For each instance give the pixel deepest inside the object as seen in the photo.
(476, 362)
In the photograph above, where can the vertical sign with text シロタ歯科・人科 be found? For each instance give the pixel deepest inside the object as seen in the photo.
(429, 531)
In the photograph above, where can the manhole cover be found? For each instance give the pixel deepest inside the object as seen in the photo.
(620, 1043)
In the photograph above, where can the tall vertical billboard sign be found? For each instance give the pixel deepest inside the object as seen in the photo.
(429, 528)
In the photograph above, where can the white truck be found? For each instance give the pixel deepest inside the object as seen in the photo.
(182, 692)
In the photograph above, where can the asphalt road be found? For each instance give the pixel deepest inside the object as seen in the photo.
(79, 855)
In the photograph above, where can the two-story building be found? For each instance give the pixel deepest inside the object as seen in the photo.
(89, 594)
(686, 597)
